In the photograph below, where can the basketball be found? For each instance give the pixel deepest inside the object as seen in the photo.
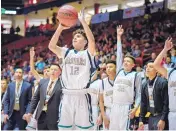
(67, 15)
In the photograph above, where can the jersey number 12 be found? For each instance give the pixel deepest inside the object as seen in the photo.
(74, 70)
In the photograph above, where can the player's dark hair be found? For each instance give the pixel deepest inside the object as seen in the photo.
(111, 62)
(80, 31)
(131, 57)
(150, 61)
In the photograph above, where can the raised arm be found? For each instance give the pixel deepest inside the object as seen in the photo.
(90, 37)
(32, 68)
(53, 43)
(158, 60)
(119, 58)
(138, 85)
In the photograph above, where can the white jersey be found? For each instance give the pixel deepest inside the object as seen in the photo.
(125, 86)
(172, 89)
(76, 69)
(107, 91)
(95, 95)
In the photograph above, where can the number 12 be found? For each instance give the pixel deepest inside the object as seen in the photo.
(74, 70)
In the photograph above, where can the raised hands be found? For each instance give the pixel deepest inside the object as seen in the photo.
(81, 15)
(168, 44)
(62, 27)
(119, 31)
(32, 52)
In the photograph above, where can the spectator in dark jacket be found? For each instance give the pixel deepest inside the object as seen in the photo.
(12, 30)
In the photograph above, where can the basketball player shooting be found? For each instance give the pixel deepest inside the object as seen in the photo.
(76, 72)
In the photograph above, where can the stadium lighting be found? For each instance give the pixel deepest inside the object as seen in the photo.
(135, 4)
(34, 1)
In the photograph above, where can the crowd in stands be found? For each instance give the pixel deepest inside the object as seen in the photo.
(44, 29)
(143, 38)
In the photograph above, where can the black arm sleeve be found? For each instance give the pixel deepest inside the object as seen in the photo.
(165, 96)
(143, 106)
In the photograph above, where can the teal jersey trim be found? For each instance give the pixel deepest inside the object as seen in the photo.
(81, 127)
(64, 126)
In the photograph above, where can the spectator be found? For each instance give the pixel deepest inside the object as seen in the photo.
(48, 27)
(136, 52)
(126, 49)
(113, 57)
(4, 73)
(4, 86)
(153, 56)
(154, 1)
(33, 27)
(168, 63)
(47, 20)
(17, 55)
(42, 28)
(138, 69)
(13, 63)
(30, 78)
(25, 74)
(173, 55)
(54, 18)
(12, 30)
(141, 71)
(97, 60)
(40, 64)
(147, 2)
(49, 59)
(11, 72)
(26, 66)
(18, 29)
(2, 28)
(26, 49)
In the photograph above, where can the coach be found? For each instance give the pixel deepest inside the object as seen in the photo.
(48, 95)
(154, 98)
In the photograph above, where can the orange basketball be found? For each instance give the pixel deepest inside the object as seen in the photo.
(67, 15)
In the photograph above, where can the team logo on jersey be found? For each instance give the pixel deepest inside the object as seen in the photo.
(174, 92)
(109, 93)
(123, 81)
(172, 84)
(75, 61)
